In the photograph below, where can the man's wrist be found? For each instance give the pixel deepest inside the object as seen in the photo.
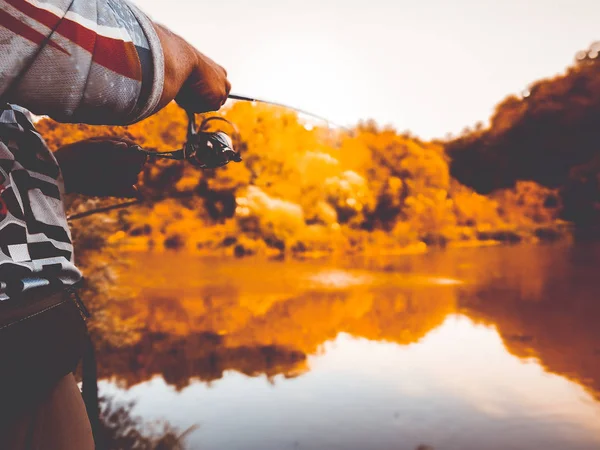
(179, 60)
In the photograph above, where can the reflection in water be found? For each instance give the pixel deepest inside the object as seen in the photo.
(458, 350)
(121, 430)
(266, 327)
(552, 317)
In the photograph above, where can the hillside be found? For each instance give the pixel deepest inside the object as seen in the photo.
(550, 135)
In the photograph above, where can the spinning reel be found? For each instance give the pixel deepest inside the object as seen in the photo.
(204, 149)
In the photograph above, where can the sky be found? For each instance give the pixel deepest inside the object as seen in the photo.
(431, 67)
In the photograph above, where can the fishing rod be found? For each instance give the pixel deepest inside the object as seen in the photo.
(203, 149)
(283, 105)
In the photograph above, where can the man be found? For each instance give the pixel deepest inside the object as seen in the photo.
(91, 61)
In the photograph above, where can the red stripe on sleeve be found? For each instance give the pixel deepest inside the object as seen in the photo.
(114, 54)
(25, 31)
(119, 56)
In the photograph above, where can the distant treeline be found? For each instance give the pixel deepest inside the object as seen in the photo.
(550, 134)
(308, 190)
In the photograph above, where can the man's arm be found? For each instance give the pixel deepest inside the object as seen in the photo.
(195, 81)
(101, 62)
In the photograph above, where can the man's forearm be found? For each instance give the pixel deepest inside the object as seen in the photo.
(179, 60)
(194, 80)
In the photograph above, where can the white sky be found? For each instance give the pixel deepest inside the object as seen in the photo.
(429, 66)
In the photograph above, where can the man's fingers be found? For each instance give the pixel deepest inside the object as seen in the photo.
(206, 88)
(200, 99)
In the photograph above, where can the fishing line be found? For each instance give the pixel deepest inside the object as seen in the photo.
(283, 105)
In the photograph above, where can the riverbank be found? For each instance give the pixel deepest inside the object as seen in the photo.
(223, 241)
(306, 191)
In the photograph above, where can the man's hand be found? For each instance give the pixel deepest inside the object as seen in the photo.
(195, 81)
(102, 167)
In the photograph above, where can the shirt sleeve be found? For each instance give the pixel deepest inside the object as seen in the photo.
(97, 62)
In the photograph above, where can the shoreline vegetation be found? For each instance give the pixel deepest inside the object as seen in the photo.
(307, 190)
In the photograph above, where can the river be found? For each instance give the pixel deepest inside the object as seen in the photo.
(473, 349)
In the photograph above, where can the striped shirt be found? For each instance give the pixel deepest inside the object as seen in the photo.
(91, 61)
(35, 242)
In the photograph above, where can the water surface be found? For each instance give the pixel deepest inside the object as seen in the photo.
(495, 348)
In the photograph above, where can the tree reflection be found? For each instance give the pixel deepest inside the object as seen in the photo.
(542, 300)
(203, 334)
(198, 355)
(557, 323)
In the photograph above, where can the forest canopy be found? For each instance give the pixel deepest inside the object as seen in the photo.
(550, 135)
(304, 188)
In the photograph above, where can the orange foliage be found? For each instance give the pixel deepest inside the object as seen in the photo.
(198, 327)
(304, 188)
(190, 321)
